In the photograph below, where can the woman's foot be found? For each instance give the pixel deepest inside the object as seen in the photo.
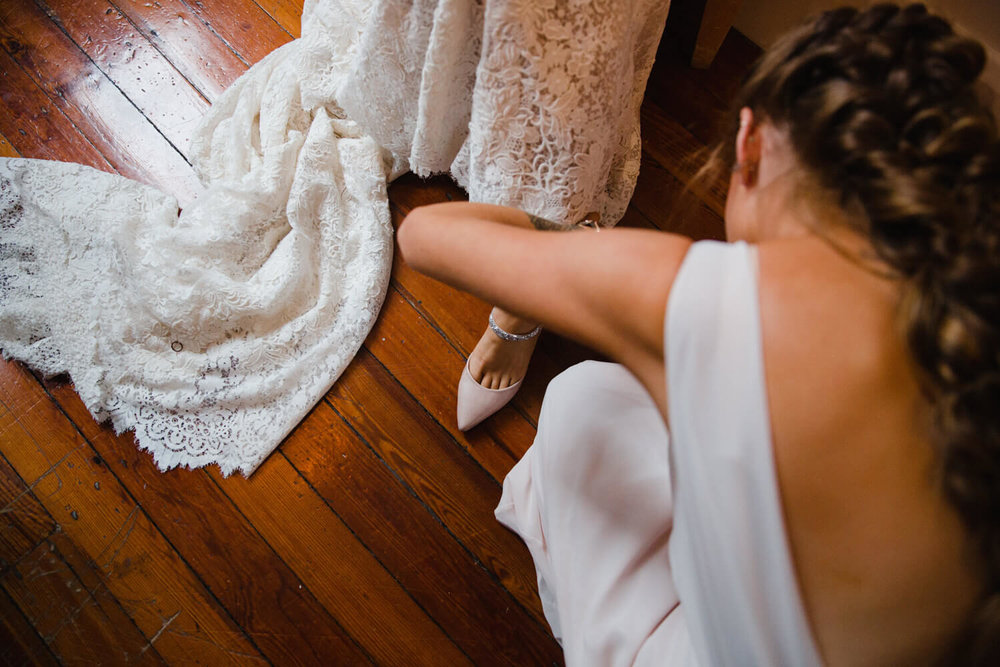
(495, 368)
(496, 363)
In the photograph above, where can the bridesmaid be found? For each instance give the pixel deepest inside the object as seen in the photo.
(796, 459)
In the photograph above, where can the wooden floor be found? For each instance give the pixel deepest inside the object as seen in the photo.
(368, 536)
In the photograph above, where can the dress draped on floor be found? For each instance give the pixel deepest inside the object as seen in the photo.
(212, 331)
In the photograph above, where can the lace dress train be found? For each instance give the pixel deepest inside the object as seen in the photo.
(212, 331)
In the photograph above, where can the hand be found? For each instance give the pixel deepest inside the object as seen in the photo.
(592, 220)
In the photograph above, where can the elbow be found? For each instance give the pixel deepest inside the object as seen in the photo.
(410, 238)
(423, 235)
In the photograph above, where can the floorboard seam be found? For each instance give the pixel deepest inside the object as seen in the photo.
(475, 559)
(52, 16)
(207, 590)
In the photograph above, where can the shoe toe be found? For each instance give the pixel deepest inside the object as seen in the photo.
(475, 402)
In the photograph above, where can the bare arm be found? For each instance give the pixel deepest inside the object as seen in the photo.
(607, 290)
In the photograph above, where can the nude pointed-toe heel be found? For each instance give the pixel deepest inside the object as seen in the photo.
(475, 402)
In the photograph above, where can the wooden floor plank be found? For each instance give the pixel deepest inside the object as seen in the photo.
(456, 503)
(80, 627)
(35, 127)
(286, 13)
(24, 522)
(663, 199)
(20, 644)
(731, 65)
(246, 28)
(329, 559)
(140, 568)
(320, 550)
(92, 103)
(191, 46)
(427, 561)
(126, 57)
(6, 149)
(446, 479)
(683, 93)
(681, 154)
(263, 595)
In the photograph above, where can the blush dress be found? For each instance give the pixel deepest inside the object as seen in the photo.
(656, 547)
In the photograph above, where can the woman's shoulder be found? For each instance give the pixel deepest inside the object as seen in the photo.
(829, 316)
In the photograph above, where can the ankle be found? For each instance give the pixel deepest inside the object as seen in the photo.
(512, 323)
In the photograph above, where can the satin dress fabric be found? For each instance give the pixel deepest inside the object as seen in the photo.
(666, 547)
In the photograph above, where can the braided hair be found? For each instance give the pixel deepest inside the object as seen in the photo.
(882, 111)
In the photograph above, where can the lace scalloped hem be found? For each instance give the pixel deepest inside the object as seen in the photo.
(212, 332)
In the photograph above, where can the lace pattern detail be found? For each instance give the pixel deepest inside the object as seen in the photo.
(212, 332)
(528, 103)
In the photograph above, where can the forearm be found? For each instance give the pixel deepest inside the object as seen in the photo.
(498, 254)
(439, 234)
(486, 250)
(454, 242)
(505, 215)
(607, 291)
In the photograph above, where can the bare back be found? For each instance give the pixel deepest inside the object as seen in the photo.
(881, 558)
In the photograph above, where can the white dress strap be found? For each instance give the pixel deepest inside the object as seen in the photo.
(732, 567)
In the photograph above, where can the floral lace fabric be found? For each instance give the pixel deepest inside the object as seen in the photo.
(527, 103)
(212, 331)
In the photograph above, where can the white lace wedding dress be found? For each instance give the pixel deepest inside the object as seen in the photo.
(212, 331)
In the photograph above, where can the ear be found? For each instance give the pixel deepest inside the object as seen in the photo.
(748, 148)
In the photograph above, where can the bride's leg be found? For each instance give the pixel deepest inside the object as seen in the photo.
(495, 363)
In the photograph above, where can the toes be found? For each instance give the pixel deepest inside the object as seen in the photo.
(498, 365)
(496, 381)
(476, 370)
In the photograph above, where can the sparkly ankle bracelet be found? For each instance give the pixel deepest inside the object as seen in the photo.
(512, 337)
